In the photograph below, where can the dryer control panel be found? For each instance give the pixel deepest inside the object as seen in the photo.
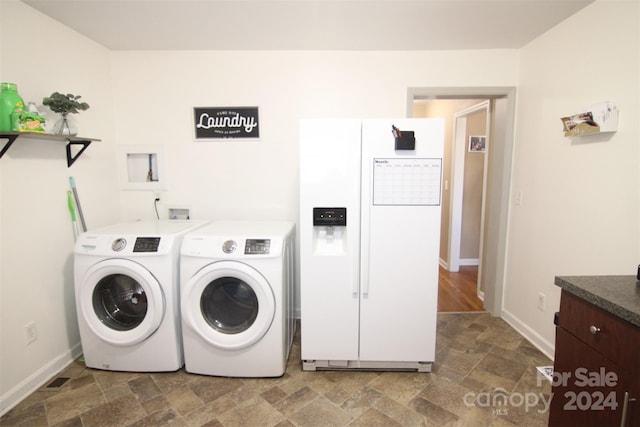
(146, 244)
(257, 246)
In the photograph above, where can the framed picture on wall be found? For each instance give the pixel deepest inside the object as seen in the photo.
(226, 123)
(477, 144)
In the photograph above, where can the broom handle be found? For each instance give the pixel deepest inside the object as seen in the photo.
(75, 196)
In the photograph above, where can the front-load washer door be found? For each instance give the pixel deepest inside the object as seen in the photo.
(228, 304)
(121, 302)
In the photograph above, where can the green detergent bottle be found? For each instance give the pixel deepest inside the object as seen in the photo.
(11, 106)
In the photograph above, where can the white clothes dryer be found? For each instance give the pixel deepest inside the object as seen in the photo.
(127, 295)
(237, 298)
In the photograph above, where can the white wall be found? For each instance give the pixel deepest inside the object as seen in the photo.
(36, 237)
(580, 212)
(155, 93)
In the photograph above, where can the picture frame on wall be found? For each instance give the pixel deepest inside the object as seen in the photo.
(477, 143)
(225, 123)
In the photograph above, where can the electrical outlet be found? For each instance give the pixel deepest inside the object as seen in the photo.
(542, 301)
(30, 332)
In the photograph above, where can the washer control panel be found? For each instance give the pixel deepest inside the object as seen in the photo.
(257, 247)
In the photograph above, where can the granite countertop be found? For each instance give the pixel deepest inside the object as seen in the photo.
(619, 295)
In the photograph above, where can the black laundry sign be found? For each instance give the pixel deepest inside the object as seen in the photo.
(226, 122)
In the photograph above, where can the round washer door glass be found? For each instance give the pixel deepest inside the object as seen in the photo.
(120, 301)
(229, 305)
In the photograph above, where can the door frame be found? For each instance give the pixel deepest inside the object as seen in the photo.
(457, 184)
(494, 258)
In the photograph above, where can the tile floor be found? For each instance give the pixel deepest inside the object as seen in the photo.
(484, 375)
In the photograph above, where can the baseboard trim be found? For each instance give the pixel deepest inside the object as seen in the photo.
(546, 347)
(36, 380)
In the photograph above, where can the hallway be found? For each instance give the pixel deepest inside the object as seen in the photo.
(457, 292)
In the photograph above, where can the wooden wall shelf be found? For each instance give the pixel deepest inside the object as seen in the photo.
(11, 137)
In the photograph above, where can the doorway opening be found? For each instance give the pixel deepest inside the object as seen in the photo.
(495, 142)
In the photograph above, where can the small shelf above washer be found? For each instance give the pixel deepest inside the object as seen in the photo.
(10, 138)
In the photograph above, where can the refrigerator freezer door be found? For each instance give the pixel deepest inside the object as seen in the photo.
(329, 253)
(400, 241)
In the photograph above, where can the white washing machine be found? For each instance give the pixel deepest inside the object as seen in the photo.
(237, 298)
(127, 295)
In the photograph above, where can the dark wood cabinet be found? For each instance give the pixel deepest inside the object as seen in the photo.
(597, 368)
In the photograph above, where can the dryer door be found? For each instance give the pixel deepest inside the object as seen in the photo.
(121, 301)
(228, 304)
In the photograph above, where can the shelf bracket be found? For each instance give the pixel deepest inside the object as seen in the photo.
(70, 158)
(10, 139)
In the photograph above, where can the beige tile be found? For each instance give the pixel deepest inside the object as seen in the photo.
(502, 367)
(71, 422)
(360, 401)
(315, 380)
(447, 395)
(144, 388)
(295, 401)
(481, 376)
(81, 381)
(108, 379)
(254, 412)
(402, 413)
(432, 411)
(211, 388)
(72, 402)
(401, 386)
(502, 337)
(155, 404)
(167, 381)
(251, 387)
(320, 412)
(352, 380)
(374, 418)
(273, 395)
(158, 418)
(459, 361)
(184, 400)
(204, 415)
(117, 391)
(208, 412)
(121, 411)
(440, 371)
(33, 415)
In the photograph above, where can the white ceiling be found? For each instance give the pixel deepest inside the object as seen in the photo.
(309, 24)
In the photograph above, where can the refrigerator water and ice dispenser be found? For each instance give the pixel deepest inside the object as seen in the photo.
(329, 231)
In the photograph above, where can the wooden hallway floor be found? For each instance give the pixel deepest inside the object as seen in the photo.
(457, 292)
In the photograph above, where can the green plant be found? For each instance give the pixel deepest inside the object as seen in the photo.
(65, 104)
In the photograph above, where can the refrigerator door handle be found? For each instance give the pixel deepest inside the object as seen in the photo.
(364, 258)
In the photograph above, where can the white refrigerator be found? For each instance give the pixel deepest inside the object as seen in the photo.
(370, 197)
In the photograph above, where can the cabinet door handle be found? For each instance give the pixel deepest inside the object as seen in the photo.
(594, 329)
(625, 407)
